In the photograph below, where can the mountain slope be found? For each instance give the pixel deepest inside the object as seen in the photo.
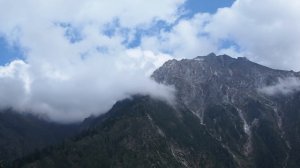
(142, 132)
(221, 118)
(22, 134)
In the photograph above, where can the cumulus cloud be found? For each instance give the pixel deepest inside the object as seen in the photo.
(92, 87)
(77, 62)
(186, 39)
(14, 84)
(266, 31)
(284, 87)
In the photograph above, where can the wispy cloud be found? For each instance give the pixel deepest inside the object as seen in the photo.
(284, 87)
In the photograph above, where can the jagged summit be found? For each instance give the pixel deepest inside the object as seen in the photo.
(222, 58)
(223, 68)
(210, 56)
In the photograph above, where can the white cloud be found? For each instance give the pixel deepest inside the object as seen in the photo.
(130, 13)
(186, 39)
(266, 31)
(284, 86)
(69, 80)
(14, 84)
(74, 91)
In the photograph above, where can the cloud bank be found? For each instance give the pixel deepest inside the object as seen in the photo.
(77, 60)
(80, 57)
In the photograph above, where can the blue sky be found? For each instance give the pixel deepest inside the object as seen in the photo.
(9, 53)
(209, 6)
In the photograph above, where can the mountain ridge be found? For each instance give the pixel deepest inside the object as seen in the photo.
(220, 119)
(23, 134)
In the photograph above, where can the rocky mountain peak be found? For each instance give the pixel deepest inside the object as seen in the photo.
(232, 84)
(202, 69)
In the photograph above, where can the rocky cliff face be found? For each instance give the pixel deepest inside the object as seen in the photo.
(228, 113)
(227, 95)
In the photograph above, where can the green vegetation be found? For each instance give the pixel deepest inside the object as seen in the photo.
(139, 133)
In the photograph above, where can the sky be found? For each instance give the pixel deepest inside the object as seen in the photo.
(8, 53)
(210, 6)
(67, 60)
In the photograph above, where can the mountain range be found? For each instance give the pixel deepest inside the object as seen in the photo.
(227, 112)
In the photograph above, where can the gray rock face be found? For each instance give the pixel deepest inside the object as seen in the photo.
(219, 79)
(226, 95)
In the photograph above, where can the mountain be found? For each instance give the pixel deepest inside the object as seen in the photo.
(257, 129)
(140, 132)
(222, 117)
(22, 134)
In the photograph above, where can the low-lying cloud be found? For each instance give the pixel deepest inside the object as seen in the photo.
(284, 86)
(74, 92)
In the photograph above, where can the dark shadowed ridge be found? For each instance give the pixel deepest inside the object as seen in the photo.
(22, 134)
